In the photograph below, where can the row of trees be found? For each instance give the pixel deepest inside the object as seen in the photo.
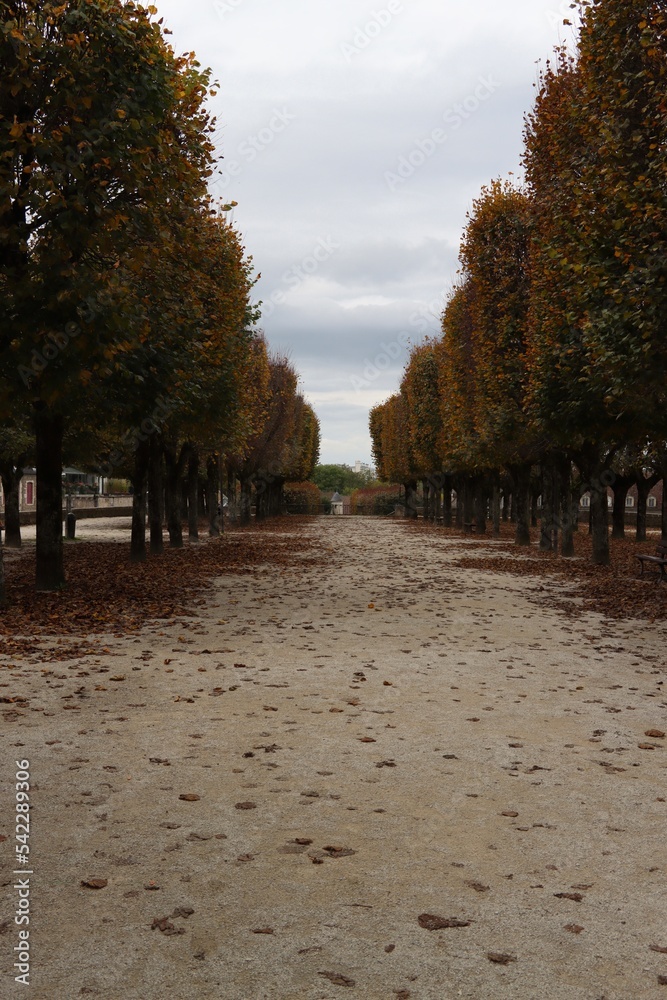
(342, 479)
(553, 358)
(126, 324)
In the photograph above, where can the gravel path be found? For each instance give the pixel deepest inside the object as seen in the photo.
(384, 740)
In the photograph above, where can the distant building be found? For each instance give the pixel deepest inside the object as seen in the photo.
(74, 482)
(362, 468)
(340, 505)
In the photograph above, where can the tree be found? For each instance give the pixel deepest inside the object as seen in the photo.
(420, 389)
(16, 448)
(392, 451)
(595, 162)
(100, 127)
(340, 478)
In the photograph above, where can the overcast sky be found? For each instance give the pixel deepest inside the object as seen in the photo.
(355, 136)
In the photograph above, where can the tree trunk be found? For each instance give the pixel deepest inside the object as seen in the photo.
(447, 502)
(232, 499)
(411, 499)
(11, 482)
(139, 481)
(495, 506)
(172, 494)
(426, 494)
(569, 507)
(644, 487)
(534, 496)
(438, 499)
(480, 507)
(261, 487)
(521, 503)
(664, 509)
(600, 524)
(506, 506)
(459, 502)
(212, 495)
(193, 495)
(548, 508)
(245, 501)
(468, 502)
(620, 488)
(3, 590)
(155, 495)
(50, 572)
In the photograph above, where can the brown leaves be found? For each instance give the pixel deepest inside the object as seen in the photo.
(95, 883)
(245, 805)
(339, 852)
(500, 957)
(573, 928)
(576, 897)
(105, 592)
(478, 886)
(431, 922)
(613, 591)
(165, 925)
(189, 797)
(338, 979)
(656, 734)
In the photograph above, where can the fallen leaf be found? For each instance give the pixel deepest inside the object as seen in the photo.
(367, 739)
(510, 813)
(95, 883)
(478, 886)
(262, 930)
(339, 852)
(657, 734)
(245, 805)
(190, 797)
(656, 947)
(574, 896)
(164, 924)
(338, 979)
(573, 928)
(430, 922)
(500, 957)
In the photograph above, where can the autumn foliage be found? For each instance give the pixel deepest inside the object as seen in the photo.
(127, 330)
(549, 378)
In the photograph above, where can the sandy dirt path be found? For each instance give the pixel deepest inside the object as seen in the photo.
(381, 739)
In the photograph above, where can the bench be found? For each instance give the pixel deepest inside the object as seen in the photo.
(659, 560)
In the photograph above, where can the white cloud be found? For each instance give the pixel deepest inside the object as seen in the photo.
(318, 169)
